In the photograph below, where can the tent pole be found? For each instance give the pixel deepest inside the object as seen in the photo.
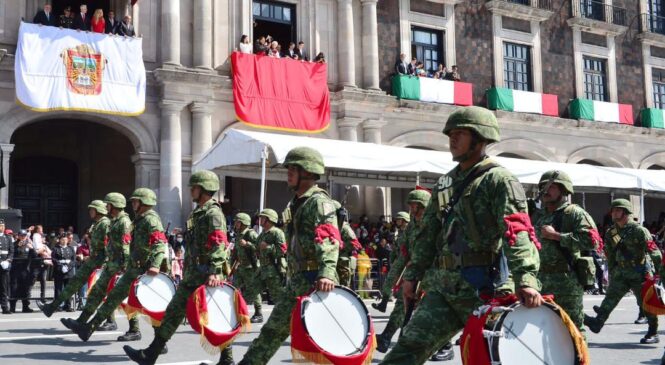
(584, 200)
(642, 217)
(418, 179)
(262, 200)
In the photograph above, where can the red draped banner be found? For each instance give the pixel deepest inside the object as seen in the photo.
(280, 94)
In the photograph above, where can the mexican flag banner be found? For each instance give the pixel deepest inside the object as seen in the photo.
(433, 90)
(653, 118)
(601, 111)
(499, 98)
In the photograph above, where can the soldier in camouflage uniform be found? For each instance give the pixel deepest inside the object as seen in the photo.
(98, 238)
(245, 259)
(349, 247)
(117, 258)
(479, 244)
(148, 256)
(311, 228)
(206, 262)
(627, 246)
(566, 231)
(397, 264)
(272, 255)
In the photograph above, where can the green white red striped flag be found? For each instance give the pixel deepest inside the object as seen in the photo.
(499, 98)
(653, 118)
(601, 111)
(433, 90)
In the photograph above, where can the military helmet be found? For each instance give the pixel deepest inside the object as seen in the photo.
(478, 119)
(419, 196)
(307, 158)
(243, 218)
(145, 196)
(403, 215)
(623, 203)
(99, 206)
(206, 179)
(270, 214)
(561, 178)
(116, 200)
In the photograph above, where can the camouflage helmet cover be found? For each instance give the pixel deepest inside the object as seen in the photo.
(404, 216)
(476, 118)
(99, 206)
(145, 196)
(243, 218)
(623, 203)
(419, 196)
(307, 158)
(206, 179)
(116, 200)
(561, 178)
(270, 214)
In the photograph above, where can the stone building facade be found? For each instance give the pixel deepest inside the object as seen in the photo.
(189, 104)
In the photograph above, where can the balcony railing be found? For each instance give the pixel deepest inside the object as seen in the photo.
(597, 10)
(653, 23)
(540, 4)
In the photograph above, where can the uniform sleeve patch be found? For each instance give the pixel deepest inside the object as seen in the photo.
(216, 238)
(324, 231)
(596, 239)
(157, 237)
(127, 238)
(519, 222)
(516, 191)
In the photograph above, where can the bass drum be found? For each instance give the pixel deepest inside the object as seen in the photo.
(154, 293)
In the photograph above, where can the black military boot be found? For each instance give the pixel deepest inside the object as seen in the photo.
(148, 356)
(651, 337)
(596, 309)
(382, 343)
(109, 325)
(595, 324)
(47, 309)
(381, 306)
(641, 318)
(257, 318)
(26, 307)
(226, 357)
(130, 336)
(445, 353)
(83, 330)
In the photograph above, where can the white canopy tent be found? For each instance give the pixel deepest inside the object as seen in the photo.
(387, 164)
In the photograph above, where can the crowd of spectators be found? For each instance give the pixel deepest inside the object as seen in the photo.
(83, 21)
(266, 45)
(417, 68)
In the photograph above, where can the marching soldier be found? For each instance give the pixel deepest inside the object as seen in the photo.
(566, 231)
(99, 231)
(397, 265)
(206, 263)
(148, 255)
(627, 246)
(6, 256)
(477, 240)
(311, 228)
(244, 257)
(272, 256)
(350, 246)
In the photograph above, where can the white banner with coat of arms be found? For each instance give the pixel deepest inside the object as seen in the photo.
(64, 69)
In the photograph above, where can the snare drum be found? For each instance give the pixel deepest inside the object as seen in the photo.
(152, 294)
(516, 335)
(335, 325)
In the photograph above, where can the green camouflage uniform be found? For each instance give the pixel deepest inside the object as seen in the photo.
(273, 263)
(308, 261)
(478, 239)
(628, 263)
(345, 269)
(557, 276)
(246, 274)
(117, 258)
(148, 250)
(397, 264)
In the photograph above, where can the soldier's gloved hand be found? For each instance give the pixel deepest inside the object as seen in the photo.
(530, 297)
(213, 280)
(325, 285)
(153, 271)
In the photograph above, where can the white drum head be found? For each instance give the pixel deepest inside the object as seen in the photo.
(155, 292)
(337, 321)
(535, 336)
(660, 291)
(221, 309)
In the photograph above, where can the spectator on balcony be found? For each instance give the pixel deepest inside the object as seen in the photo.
(82, 19)
(412, 67)
(45, 17)
(66, 20)
(98, 24)
(440, 72)
(111, 23)
(291, 52)
(274, 50)
(320, 58)
(302, 55)
(245, 46)
(126, 28)
(453, 75)
(401, 66)
(261, 46)
(420, 69)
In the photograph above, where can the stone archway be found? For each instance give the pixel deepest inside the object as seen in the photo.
(433, 140)
(521, 147)
(655, 161)
(600, 154)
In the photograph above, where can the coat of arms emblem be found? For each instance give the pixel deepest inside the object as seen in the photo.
(84, 70)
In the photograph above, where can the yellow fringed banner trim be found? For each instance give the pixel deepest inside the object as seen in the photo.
(305, 357)
(578, 339)
(243, 319)
(652, 309)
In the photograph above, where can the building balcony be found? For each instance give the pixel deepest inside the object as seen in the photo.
(652, 29)
(534, 10)
(595, 16)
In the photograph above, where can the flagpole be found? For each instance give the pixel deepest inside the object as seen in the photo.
(264, 157)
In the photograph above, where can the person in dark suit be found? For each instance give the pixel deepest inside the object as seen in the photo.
(112, 23)
(401, 66)
(302, 55)
(82, 19)
(126, 28)
(411, 69)
(291, 52)
(46, 17)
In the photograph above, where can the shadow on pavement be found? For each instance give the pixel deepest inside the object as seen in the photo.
(75, 357)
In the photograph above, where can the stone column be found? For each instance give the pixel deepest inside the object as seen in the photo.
(345, 44)
(370, 39)
(146, 170)
(348, 131)
(170, 163)
(7, 150)
(201, 129)
(376, 198)
(202, 47)
(171, 32)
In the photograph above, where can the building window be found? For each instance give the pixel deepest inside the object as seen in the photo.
(655, 18)
(658, 80)
(595, 79)
(427, 47)
(593, 9)
(271, 12)
(517, 66)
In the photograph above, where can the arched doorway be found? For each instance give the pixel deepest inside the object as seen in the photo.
(58, 166)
